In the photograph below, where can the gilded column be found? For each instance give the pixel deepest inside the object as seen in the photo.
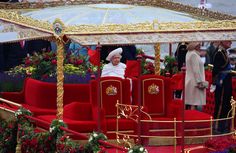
(58, 27)
(60, 78)
(157, 59)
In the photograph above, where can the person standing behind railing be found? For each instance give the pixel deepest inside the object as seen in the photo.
(222, 81)
(195, 83)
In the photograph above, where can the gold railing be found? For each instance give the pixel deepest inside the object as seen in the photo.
(127, 137)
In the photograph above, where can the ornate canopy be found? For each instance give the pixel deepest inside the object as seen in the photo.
(112, 24)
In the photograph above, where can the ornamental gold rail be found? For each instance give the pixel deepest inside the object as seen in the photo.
(127, 137)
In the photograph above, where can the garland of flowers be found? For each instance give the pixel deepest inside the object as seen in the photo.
(33, 140)
(8, 136)
(93, 144)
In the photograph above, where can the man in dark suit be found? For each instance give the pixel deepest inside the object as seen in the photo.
(222, 79)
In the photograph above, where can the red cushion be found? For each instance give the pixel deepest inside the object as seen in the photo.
(76, 92)
(78, 111)
(79, 126)
(177, 81)
(196, 115)
(43, 95)
(39, 111)
(124, 124)
(40, 94)
(132, 68)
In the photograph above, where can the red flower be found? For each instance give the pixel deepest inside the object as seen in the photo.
(79, 62)
(45, 76)
(34, 142)
(27, 62)
(54, 62)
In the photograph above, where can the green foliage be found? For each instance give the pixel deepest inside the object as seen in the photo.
(43, 65)
(170, 66)
(93, 144)
(137, 149)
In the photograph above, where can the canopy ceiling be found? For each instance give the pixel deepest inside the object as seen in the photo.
(112, 24)
(98, 14)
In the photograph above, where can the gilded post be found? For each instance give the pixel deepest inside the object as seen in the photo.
(233, 113)
(60, 78)
(59, 27)
(18, 146)
(157, 58)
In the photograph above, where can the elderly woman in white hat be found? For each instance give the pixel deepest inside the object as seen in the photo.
(115, 67)
(195, 84)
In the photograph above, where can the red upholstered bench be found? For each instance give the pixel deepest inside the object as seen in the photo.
(80, 117)
(40, 97)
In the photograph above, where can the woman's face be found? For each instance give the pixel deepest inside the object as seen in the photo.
(115, 60)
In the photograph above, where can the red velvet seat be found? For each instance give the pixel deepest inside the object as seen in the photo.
(112, 89)
(156, 93)
(80, 117)
(40, 97)
(156, 96)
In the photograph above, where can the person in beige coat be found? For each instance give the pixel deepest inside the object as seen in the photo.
(195, 84)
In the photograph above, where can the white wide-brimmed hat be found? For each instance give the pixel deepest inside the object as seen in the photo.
(117, 51)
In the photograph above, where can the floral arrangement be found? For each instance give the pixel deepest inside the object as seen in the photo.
(66, 145)
(43, 65)
(137, 149)
(226, 144)
(146, 66)
(8, 133)
(93, 144)
(170, 66)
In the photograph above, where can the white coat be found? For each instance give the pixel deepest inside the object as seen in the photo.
(195, 73)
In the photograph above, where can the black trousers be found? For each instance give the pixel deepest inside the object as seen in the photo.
(223, 95)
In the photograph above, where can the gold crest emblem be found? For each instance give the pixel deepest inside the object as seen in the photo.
(153, 89)
(111, 90)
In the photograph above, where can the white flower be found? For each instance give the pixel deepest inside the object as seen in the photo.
(141, 149)
(61, 121)
(95, 135)
(90, 139)
(130, 151)
(51, 129)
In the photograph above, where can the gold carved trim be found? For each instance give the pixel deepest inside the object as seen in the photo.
(163, 99)
(167, 4)
(120, 84)
(153, 27)
(15, 18)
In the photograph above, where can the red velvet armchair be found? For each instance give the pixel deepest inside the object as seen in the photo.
(80, 117)
(112, 89)
(40, 97)
(156, 96)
